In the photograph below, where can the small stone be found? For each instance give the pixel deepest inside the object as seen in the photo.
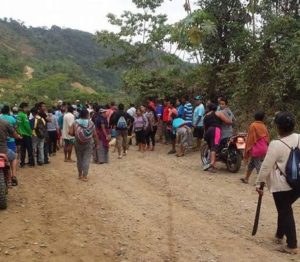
(6, 253)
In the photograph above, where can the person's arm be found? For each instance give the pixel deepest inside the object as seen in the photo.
(223, 118)
(102, 126)
(96, 139)
(72, 130)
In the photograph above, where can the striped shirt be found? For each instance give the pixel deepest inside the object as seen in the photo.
(188, 112)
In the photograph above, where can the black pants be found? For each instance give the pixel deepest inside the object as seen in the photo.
(150, 135)
(26, 145)
(52, 141)
(286, 223)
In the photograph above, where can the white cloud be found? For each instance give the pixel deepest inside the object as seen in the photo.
(86, 15)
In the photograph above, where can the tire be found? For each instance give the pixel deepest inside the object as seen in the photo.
(234, 161)
(205, 155)
(3, 191)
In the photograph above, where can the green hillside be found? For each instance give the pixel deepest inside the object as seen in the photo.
(52, 63)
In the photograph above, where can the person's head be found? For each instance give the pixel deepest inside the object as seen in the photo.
(220, 97)
(42, 107)
(121, 107)
(285, 123)
(178, 102)
(166, 102)
(15, 110)
(212, 107)
(102, 111)
(259, 116)
(84, 114)
(24, 107)
(185, 99)
(150, 109)
(70, 109)
(143, 108)
(112, 104)
(173, 103)
(5, 110)
(198, 100)
(223, 102)
(34, 111)
(131, 105)
(139, 112)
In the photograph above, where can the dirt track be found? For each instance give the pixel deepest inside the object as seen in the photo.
(151, 207)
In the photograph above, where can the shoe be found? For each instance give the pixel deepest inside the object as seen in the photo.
(287, 250)
(22, 165)
(171, 152)
(120, 157)
(39, 164)
(206, 167)
(243, 180)
(14, 181)
(125, 153)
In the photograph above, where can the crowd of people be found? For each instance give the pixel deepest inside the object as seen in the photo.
(33, 136)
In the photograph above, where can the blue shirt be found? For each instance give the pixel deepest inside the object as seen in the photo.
(199, 112)
(180, 110)
(159, 110)
(12, 121)
(188, 112)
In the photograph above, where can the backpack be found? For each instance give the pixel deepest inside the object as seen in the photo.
(83, 134)
(292, 169)
(41, 129)
(122, 123)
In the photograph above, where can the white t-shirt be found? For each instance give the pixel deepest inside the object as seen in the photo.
(131, 111)
(69, 120)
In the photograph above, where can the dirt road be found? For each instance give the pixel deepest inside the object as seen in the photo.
(150, 207)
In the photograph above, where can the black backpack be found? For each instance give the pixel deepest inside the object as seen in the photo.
(292, 169)
(41, 129)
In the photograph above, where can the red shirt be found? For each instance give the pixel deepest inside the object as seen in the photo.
(166, 114)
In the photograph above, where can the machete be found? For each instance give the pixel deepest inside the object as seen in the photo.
(255, 226)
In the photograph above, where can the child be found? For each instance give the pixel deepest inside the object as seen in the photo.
(256, 146)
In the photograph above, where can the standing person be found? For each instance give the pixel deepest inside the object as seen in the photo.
(151, 127)
(188, 111)
(272, 173)
(131, 111)
(102, 129)
(83, 129)
(139, 127)
(180, 108)
(227, 129)
(24, 130)
(121, 120)
(39, 130)
(69, 140)
(53, 131)
(198, 117)
(173, 114)
(212, 126)
(11, 143)
(256, 145)
(43, 113)
(151, 103)
(159, 112)
(165, 119)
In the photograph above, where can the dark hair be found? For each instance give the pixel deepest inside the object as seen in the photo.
(84, 113)
(131, 105)
(121, 107)
(173, 102)
(259, 116)
(34, 111)
(212, 107)
(70, 109)
(223, 99)
(186, 98)
(112, 103)
(285, 122)
(23, 105)
(5, 110)
(50, 111)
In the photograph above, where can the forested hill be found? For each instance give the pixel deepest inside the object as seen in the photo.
(53, 55)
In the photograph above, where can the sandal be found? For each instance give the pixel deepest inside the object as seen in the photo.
(14, 181)
(287, 250)
(84, 179)
(243, 180)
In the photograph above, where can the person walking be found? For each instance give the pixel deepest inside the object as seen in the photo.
(151, 127)
(25, 131)
(272, 172)
(83, 129)
(256, 145)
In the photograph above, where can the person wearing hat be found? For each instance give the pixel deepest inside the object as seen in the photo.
(198, 117)
(101, 155)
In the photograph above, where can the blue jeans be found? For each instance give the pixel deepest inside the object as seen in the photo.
(38, 146)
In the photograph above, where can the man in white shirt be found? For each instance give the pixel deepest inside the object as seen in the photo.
(132, 112)
(69, 141)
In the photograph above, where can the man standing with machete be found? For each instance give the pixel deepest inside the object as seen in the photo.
(272, 173)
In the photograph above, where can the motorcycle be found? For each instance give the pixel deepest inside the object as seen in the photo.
(4, 172)
(231, 153)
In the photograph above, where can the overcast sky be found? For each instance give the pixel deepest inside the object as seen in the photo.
(86, 15)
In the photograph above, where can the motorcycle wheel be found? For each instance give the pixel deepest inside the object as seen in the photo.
(234, 161)
(3, 191)
(205, 155)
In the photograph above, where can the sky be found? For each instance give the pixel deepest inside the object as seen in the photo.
(85, 15)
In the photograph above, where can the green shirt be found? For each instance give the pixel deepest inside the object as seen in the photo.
(23, 125)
